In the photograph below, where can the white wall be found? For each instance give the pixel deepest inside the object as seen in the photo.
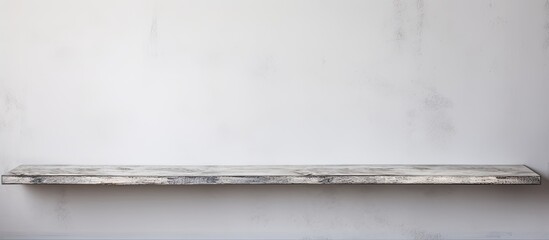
(275, 82)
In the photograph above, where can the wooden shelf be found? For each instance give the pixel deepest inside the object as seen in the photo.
(264, 174)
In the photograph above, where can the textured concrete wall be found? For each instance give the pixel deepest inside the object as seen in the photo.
(275, 82)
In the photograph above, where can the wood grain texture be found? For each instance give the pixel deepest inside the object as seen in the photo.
(266, 174)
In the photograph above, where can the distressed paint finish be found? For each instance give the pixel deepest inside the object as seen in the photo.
(265, 174)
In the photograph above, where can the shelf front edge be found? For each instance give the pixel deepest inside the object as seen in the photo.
(258, 175)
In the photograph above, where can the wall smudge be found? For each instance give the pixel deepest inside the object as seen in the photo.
(11, 111)
(429, 117)
(399, 9)
(414, 233)
(439, 125)
(436, 102)
(409, 25)
(420, 4)
(61, 210)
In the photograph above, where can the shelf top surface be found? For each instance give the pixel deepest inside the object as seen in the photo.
(271, 174)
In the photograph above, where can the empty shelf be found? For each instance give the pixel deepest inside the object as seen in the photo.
(264, 174)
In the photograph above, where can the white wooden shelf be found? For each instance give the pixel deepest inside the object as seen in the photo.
(264, 174)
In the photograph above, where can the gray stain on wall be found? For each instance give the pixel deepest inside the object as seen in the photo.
(409, 27)
(413, 233)
(61, 210)
(420, 4)
(439, 125)
(399, 9)
(11, 110)
(497, 21)
(436, 102)
(429, 116)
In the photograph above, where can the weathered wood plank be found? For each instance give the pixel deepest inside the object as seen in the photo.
(265, 174)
